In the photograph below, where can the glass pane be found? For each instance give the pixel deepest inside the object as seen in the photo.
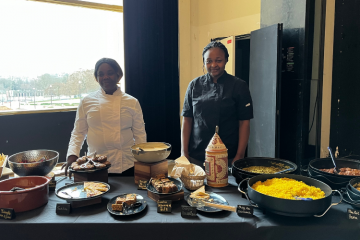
(111, 2)
(49, 53)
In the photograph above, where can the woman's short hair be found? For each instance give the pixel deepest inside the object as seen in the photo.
(112, 63)
(215, 44)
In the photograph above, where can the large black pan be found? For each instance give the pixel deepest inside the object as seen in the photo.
(287, 207)
(335, 181)
(240, 174)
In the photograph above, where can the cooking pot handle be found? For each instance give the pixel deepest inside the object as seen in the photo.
(333, 204)
(243, 192)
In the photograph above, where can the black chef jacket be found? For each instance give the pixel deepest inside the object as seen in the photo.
(221, 104)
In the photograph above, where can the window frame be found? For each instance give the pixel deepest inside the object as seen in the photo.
(77, 3)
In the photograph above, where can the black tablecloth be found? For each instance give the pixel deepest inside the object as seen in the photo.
(95, 222)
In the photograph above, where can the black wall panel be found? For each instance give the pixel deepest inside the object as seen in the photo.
(37, 131)
(345, 99)
(151, 66)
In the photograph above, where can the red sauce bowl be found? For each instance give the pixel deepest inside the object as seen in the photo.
(36, 193)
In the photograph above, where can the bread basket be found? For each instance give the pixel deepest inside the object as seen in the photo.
(193, 182)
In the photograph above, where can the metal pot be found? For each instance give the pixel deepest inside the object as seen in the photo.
(33, 168)
(335, 181)
(34, 195)
(240, 174)
(287, 207)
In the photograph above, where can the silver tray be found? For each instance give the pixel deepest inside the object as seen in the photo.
(76, 191)
(177, 182)
(218, 199)
(127, 211)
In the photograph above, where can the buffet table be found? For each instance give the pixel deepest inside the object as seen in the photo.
(95, 222)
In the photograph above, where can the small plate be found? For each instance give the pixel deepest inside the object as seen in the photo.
(218, 199)
(88, 171)
(177, 182)
(76, 190)
(127, 211)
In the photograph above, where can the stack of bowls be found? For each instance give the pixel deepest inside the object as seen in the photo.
(352, 192)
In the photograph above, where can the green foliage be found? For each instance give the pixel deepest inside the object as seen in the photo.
(61, 85)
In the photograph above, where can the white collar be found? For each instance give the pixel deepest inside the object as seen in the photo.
(116, 93)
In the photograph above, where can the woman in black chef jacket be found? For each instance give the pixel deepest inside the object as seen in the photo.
(216, 99)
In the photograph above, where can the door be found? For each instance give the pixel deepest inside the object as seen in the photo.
(229, 43)
(264, 84)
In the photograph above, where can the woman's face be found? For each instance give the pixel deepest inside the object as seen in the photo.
(215, 61)
(107, 78)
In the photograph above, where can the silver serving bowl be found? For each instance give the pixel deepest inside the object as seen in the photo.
(33, 168)
(151, 152)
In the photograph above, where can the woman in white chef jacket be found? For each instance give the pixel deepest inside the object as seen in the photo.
(110, 120)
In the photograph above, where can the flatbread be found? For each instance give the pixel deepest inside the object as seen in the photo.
(93, 189)
(200, 194)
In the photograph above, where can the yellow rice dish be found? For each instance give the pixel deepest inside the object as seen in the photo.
(288, 189)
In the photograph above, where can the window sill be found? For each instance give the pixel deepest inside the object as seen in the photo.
(5, 113)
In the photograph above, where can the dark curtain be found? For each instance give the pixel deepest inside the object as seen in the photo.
(151, 66)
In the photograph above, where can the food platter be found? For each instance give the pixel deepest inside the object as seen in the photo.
(88, 171)
(217, 199)
(127, 211)
(75, 191)
(177, 182)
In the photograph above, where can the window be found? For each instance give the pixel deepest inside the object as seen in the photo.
(48, 52)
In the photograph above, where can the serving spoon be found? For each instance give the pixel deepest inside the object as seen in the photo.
(67, 194)
(201, 203)
(283, 171)
(333, 160)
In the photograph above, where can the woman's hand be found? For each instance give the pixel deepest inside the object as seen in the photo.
(69, 161)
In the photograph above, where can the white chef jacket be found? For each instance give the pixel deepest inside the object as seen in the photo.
(112, 124)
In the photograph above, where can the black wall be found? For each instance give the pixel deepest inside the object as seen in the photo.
(297, 19)
(345, 99)
(36, 131)
(151, 66)
(242, 57)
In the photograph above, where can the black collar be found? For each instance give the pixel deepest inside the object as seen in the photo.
(220, 79)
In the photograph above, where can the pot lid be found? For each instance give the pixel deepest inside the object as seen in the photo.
(216, 144)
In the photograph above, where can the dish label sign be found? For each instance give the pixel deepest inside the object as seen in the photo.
(353, 214)
(245, 210)
(164, 206)
(188, 211)
(142, 184)
(7, 213)
(63, 208)
(52, 185)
